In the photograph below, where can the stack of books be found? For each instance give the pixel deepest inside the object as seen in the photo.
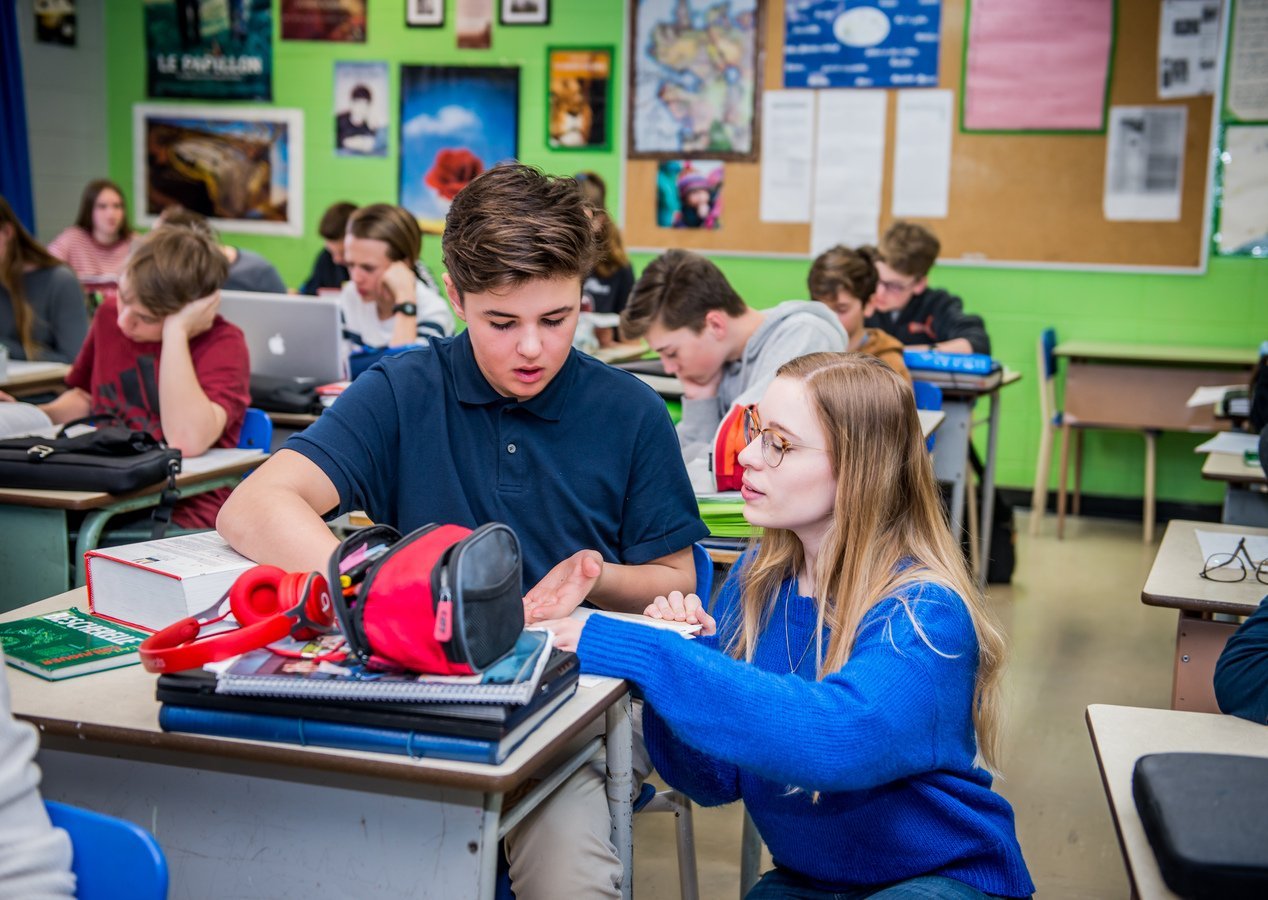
(723, 513)
(968, 371)
(264, 695)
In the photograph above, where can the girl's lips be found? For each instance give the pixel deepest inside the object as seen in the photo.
(749, 493)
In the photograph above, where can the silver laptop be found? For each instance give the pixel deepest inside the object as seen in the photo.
(288, 335)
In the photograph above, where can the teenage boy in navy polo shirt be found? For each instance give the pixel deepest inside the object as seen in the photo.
(504, 422)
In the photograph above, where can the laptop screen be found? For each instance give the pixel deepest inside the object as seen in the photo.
(288, 335)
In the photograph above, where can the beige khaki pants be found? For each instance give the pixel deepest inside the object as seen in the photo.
(564, 847)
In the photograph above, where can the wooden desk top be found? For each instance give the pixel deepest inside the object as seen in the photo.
(930, 420)
(1122, 734)
(23, 378)
(1165, 354)
(1010, 376)
(1232, 468)
(81, 500)
(622, 352)
(292, 420)
(1174, 581)
(117, 708)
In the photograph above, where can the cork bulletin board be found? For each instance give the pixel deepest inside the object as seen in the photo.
(1019, 197)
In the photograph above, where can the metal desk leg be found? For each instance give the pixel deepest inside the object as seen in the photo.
(951, 456)
(620, 787)
(988, 491)
(33, 562)
(490, 846)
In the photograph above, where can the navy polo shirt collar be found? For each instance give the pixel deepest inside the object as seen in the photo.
(473, 389)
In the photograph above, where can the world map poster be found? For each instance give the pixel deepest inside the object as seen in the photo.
(695, 79)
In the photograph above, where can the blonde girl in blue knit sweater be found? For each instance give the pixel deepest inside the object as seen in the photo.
(848, 689)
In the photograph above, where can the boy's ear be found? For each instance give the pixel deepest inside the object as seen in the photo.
(455, 298)
(716, 322)
(920, 284)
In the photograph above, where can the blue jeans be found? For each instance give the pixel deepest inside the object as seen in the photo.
(781, 884)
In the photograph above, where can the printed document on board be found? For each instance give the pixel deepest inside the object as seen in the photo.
(849, 159)
(922, 154)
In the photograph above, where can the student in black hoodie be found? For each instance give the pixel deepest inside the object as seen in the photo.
(329, 269)
(906, 307)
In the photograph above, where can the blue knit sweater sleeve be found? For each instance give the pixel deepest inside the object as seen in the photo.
(1241, 675)
(891, 712)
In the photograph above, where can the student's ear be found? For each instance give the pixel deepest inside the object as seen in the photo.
(455, 298)
(920, 284)
(716, 323)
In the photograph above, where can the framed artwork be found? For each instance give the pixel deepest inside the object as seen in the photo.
(524, 12)
(580, 98)
(360, 107)
(695, 79)
(320, 20)
(241, 166)
(474, 24)
(209, 49)
(424, 13)
(456, 121)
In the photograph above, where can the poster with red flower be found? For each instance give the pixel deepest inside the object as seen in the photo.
(456, 121)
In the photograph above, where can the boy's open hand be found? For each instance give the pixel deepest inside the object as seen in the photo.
(701, 390)
(194, 318)
(564, 587)
(677, 608)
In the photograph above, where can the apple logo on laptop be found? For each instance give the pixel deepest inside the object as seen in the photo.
(277, 346)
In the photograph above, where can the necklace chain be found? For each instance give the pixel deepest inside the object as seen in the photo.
(787, 646)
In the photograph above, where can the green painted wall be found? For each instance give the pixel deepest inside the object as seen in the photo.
(1226, 306)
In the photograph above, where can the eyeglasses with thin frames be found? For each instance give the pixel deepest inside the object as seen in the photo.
(1229, 568)
(774, 444)
(895, 287)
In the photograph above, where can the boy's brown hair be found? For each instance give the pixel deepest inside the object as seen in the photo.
(172, 267)
(334, 221)
(909, 248)
(393, 225)
(841, 269)
(677, 289)
(515, 224)
(88, 199)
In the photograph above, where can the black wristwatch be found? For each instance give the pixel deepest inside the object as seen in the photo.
(408, 308)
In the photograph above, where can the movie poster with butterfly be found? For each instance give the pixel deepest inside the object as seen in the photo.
(580, 86)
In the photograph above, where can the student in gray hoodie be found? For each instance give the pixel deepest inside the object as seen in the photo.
(722, 351)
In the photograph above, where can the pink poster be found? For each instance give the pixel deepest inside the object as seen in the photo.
(1037, 65)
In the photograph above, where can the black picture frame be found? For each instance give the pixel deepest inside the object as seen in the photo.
(539, 14)
(414, 18)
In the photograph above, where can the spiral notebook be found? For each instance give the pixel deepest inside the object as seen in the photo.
(513, 680)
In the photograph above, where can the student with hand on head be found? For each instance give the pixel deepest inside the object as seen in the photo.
(42, 311)
(845, 281)
(161, 360)
(248, 270)
(906, 307)
(391, 299)
(847, 686)
(504, 422)
(723, 351)
(101, 238)
(329, 269)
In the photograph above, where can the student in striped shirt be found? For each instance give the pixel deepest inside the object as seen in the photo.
(99, 242)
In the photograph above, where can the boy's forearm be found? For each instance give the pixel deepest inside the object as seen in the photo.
(69, 406)
(190, 421)
(275, 526)
(630, 589)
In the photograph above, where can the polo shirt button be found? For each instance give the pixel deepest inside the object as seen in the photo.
(510, 448)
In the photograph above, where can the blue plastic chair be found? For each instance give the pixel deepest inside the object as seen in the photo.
(928, 396)
(257, 431)
(113, 858)
(704, 573)
(1049, 422)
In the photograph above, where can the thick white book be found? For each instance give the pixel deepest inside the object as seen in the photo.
(152, 584)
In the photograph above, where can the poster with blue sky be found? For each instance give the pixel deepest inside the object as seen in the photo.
(845, 43)
(456, 122)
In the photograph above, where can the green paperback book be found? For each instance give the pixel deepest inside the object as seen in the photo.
(67, 643)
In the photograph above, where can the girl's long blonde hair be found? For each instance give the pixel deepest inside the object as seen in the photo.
(887, 509)
(22, 251)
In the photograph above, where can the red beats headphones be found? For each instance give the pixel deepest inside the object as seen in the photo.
(268, 603)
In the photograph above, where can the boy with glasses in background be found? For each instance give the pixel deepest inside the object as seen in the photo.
(923, 318)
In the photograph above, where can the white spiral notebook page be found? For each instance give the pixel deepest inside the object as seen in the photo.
(264, 673)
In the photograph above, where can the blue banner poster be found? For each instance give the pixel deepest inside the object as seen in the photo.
(209, 49)
(879, 44)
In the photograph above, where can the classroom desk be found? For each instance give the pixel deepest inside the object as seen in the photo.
(620, 352)
(1106, 385)
(1245, 488)
(1174, 582)
(1122, 734)
(951, 457)
(249, 819)
(23, 378)
(35, 528)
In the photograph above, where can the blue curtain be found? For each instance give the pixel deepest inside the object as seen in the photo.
(15, 160)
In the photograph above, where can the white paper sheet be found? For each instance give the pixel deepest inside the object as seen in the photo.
(1243, 221)
(922, 154)
(1144, 163)
(1248, 61)
(1188, 44)
(216, 458)
(788, 121)
(849, 161)
(1213, 542)
(1232, 442)
(1212, 394)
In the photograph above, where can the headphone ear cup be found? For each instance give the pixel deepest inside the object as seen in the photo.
(255, 594)
(318, 608)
